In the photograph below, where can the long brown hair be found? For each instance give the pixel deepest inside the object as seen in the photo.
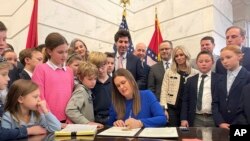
(54, 40)
(119, 101)
(19, 88)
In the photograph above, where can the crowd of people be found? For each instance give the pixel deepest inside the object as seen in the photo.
(57, 83)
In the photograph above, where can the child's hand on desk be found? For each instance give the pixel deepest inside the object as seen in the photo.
(63, 125)
(99, 125)
(224, 125)
(119, 123)
(184, 123)
(132, 123)
(36, 130)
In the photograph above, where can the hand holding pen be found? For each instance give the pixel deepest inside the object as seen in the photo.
(132, 123)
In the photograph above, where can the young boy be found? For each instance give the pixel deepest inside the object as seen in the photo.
(30, 58)
(110, 63)
(102, 89)
(80, 106)
(196, 105)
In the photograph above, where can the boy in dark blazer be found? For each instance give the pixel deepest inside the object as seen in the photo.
(196, 105)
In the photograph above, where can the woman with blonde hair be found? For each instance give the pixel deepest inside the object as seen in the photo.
(79, 47)
(173, 84)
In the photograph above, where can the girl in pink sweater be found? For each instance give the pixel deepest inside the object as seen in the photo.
(55, 80)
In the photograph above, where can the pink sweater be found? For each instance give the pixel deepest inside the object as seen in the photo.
(56, 87)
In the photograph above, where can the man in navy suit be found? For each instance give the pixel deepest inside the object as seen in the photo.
(140, 52)
(127, 60)
(236, 36)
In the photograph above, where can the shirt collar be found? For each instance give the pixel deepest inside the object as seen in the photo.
(55, 67)
(118, 55)
(234, 72)
(29, 73)
(208, 74)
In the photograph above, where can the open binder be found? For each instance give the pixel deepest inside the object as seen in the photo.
(77, 130)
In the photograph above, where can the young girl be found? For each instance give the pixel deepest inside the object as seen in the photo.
(228, 90)
(73, 62)
(22, 105)
(55, 80)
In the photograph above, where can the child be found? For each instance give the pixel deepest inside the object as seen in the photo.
(110, 63)
(30, 58)
(196, 105)
(80, 106)
(55, 80)
(22, 105)
(10, 134)
(73, 62)
(10, 56)
(228, 90)
(102, 89)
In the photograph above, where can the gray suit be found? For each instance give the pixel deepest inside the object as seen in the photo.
(155, 78)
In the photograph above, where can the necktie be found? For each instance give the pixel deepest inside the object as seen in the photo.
(200, 92)
(167, 65)
(120, 62)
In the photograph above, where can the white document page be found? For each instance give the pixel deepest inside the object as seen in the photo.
(120, 131)
(166, 132)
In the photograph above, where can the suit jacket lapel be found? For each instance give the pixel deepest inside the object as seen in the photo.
(195, 84)
(237, 79)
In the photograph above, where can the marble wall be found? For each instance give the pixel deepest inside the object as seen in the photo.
(96, 21)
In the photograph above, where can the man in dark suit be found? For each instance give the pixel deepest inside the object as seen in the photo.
(157, 71)
(206, 44)
(140, 52)
(127, 60)
(236, 36)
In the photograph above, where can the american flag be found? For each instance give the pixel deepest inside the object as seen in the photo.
(124, 26)
(153, 55)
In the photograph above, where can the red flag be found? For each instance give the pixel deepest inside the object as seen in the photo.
(32, 35)
(153, 55)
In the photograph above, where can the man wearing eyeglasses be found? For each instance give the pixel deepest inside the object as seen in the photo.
(236, 36)
(157, 71)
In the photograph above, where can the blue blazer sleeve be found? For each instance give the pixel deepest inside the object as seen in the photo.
(217, 116)
(243, 113)
(10, 134)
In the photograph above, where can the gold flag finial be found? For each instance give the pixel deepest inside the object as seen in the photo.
(124, 2)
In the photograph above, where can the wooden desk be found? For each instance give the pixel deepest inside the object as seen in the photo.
(215, 134)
